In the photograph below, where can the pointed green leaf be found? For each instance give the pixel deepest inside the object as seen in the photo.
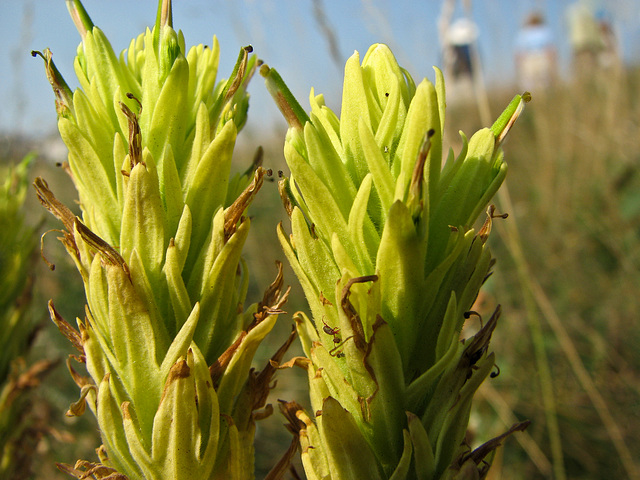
(175, 426)
(314, 459)
(219, 300)
(325, 121)
(378, 167)
(349, 455)
(354, 107)
(423, 115)
(402, 470)
(363, 235)
(328, 166)
(387, 414)
(204, 196)
(115, 440)
(143, 222)
(237, 371)
(400, 268)
(182, 341)
(424, 460)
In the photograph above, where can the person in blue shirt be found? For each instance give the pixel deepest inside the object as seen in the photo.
(536, 57)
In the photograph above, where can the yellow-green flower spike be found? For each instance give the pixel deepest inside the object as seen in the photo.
(383, 242)
(151, 134)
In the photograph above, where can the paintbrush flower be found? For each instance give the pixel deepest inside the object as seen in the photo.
(166, 340)
(383, 242)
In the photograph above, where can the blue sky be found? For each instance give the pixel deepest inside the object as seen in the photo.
(284, 33)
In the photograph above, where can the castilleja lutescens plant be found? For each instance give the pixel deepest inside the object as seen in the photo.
(383, 242)
(165, 339)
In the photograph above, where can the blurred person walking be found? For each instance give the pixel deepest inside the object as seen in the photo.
(536, 56)
(458, 39)
(593, 41)
(609, 56)
(461, 62)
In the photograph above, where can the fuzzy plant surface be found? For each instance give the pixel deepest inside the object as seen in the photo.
(384, 245)
(166, 340)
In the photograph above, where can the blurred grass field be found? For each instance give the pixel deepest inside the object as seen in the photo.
(574, 185)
